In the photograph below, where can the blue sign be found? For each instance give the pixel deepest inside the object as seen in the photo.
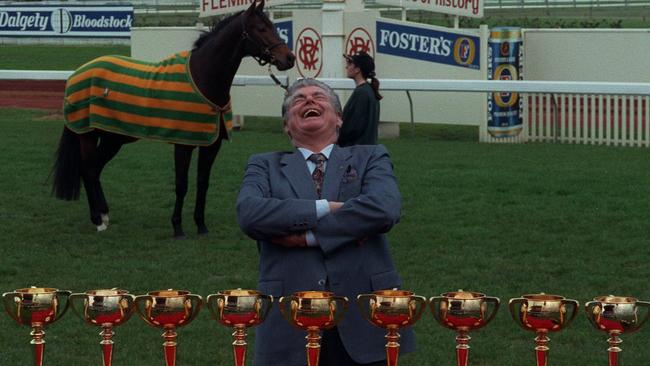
(66, 21)
(285, 31)
(428, 45)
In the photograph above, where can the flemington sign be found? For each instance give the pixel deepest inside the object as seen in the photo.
(66, 21)
(466, 8)
(218, 7)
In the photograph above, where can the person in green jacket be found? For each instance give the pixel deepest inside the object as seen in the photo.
(361, 112)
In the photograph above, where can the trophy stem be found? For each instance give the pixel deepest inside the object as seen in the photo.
(170, 347)
(462, 348)
(614, 349)
(239, 345)
(313, 346)
(541, 349)
(38, 341)
(392, 347)
(107, 344)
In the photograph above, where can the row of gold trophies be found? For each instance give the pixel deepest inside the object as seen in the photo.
(314, 311)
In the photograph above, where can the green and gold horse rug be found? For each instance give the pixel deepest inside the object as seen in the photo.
(158, 101)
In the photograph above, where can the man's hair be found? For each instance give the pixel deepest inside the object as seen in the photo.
(301, 83)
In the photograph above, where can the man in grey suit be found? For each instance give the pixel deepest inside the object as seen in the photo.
(320, 224)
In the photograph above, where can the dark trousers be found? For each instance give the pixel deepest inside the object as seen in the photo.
(333, 353)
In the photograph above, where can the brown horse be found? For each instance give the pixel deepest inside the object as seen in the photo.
(116, 100)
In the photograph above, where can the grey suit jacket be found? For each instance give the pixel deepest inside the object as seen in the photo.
(277, 198)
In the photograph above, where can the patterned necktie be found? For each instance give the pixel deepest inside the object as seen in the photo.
(319, 173)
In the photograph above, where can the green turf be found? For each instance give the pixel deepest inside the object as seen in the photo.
(54, 57)
(501, 219)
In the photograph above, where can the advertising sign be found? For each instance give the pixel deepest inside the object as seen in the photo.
(505, 63)
(428, 45)
(66, 21)
(466, 8)
(218, 7)
(285, 31)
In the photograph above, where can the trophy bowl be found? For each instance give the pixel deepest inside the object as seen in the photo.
(239, 309)
(391, 310)
(168, 309)
(106, 308)
(36, 307)
(542, 314)
(313, 311)
(463, 311)
(616, 315)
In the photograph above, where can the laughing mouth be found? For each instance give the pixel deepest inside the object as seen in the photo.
(311, 113)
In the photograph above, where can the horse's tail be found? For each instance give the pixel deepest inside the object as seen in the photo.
(67, 167)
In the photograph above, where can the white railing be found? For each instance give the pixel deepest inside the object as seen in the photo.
(560, 111)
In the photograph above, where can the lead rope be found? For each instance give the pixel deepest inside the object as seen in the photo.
(277, 81)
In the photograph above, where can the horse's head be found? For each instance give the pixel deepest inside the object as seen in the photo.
(262, 40)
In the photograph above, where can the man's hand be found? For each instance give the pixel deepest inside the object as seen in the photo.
(291, 241)
(334, 206)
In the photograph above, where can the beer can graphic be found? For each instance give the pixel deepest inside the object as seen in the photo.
(505, 110)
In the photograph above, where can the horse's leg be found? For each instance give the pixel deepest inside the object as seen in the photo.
(109, 145)
(90, 177)
(207, 154)
(182, 159)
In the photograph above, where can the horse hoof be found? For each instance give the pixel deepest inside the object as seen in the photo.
(102, 227)
(105, 219)
(180, 237)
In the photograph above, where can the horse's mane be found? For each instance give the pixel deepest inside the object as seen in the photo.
(214, 29)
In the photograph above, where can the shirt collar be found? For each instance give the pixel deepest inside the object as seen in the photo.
(327, 151)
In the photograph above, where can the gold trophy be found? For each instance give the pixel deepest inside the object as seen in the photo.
(313, 311)
(168, 309)
(616, 315)
(391, 310)
(239, 309)
(104, 308)
(36, 307)
(542, 314)
(463, 311)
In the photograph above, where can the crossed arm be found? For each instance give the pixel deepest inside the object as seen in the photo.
(285, 221)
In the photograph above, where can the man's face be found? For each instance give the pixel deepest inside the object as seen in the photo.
(311, 117)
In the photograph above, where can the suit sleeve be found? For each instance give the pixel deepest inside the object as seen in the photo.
(261, 216)
(374, 211)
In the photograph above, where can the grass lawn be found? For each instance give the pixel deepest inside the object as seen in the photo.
(501, 219)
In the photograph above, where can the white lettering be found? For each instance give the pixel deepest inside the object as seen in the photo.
(23, 22)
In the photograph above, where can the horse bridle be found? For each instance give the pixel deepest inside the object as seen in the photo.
(265, 52)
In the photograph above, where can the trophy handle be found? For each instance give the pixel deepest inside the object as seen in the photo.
(417, 305)
(434, 303)
(589, 308)
(496, 303)
(363, 301)
(215, 307)
(9, 300)
(515, 308)
(341, 306)
(138, 302)
(129, 308)
(263, 304)
(73, 299)
(196, 301)
(645, 305)
(575, 305)
(60, 310)
(288, 315)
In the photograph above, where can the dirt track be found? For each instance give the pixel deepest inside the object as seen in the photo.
(43, 94)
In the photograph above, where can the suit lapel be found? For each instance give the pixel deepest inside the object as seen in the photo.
(295, 171)
(336, 166)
